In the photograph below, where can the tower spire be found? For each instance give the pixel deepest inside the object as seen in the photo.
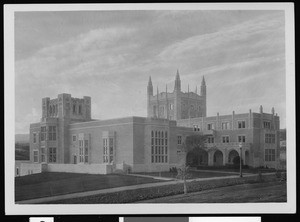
(150, 87)
(177, 86)
(203, 81)
(203, 87)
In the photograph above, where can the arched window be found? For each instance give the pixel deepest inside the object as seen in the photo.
(152, 133)
(50, 110)
(74, 109)
(79, 110)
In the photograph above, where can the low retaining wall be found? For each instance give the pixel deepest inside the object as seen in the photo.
(23, 168)
(79, 168)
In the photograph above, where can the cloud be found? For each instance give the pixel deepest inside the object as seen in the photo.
(111, 63)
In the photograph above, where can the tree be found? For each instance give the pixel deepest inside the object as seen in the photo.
(192, 143)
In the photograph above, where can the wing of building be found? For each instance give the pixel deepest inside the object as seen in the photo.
(67, 139)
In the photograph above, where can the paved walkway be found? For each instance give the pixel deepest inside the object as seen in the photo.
(117, 189)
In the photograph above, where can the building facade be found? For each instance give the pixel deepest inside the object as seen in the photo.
(67, 139)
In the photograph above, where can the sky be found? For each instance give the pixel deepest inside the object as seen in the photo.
(109, 55)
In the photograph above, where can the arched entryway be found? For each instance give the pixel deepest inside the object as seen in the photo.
(197, 157)
(233, 154)
(218, 158)
(247, 157)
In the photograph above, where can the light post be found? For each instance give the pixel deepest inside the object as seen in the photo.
(241, 173)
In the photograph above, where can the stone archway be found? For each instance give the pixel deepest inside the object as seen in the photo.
(197, 157)
(218, 158)
(231, 155)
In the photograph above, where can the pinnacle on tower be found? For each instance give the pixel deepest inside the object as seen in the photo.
(177, 86)
(203, 81)
(150, 81)
(203, 87)
(150, 87)
(177, 75)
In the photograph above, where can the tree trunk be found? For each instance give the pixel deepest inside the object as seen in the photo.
(184, 186)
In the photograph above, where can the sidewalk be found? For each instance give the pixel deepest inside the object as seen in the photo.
(117, 189)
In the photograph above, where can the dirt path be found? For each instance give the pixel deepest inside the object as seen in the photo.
(261, 192)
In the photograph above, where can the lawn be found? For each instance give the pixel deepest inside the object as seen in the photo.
(51, 184)
(274, 191)
(191, 174)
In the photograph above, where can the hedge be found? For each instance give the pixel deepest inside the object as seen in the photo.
(130, 196)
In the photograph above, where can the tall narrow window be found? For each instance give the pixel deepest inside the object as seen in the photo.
(35, 156)
(52, 133)
(81, 151)
(86, 151)
(79, 110)
(43, 133)
(179, 140)
(43, 154)
(52, 154)
(34, 137)
(74, 109)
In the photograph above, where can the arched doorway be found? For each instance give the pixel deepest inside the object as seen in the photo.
(197, 157)
(218, 158)
(232, 155)
(247, 156)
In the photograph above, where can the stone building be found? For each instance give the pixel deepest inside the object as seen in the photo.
(67, 139)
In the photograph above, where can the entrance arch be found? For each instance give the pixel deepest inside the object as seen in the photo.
(218, 158)
(197, 157)
(232, 154)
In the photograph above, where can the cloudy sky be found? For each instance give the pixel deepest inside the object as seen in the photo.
(109, 55)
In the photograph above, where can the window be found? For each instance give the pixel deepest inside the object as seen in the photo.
(196, 128)
(108, 150)
(269, 154)
(74, 109)
(225, 125)
(43, 154)
(210, 139)
(34, 137)
(52, 133)
(267, 125)
(74, 138)
(86, 151)
(269, 138)
(35, 156)
(210, 126)
(43, 133)
(17, 171)
(179, 140)
(241, 124)
(225, 139)
(52, 154)
(81, 151)
(159, 147)
(79, 109)
(242, 139)
(171, 106)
